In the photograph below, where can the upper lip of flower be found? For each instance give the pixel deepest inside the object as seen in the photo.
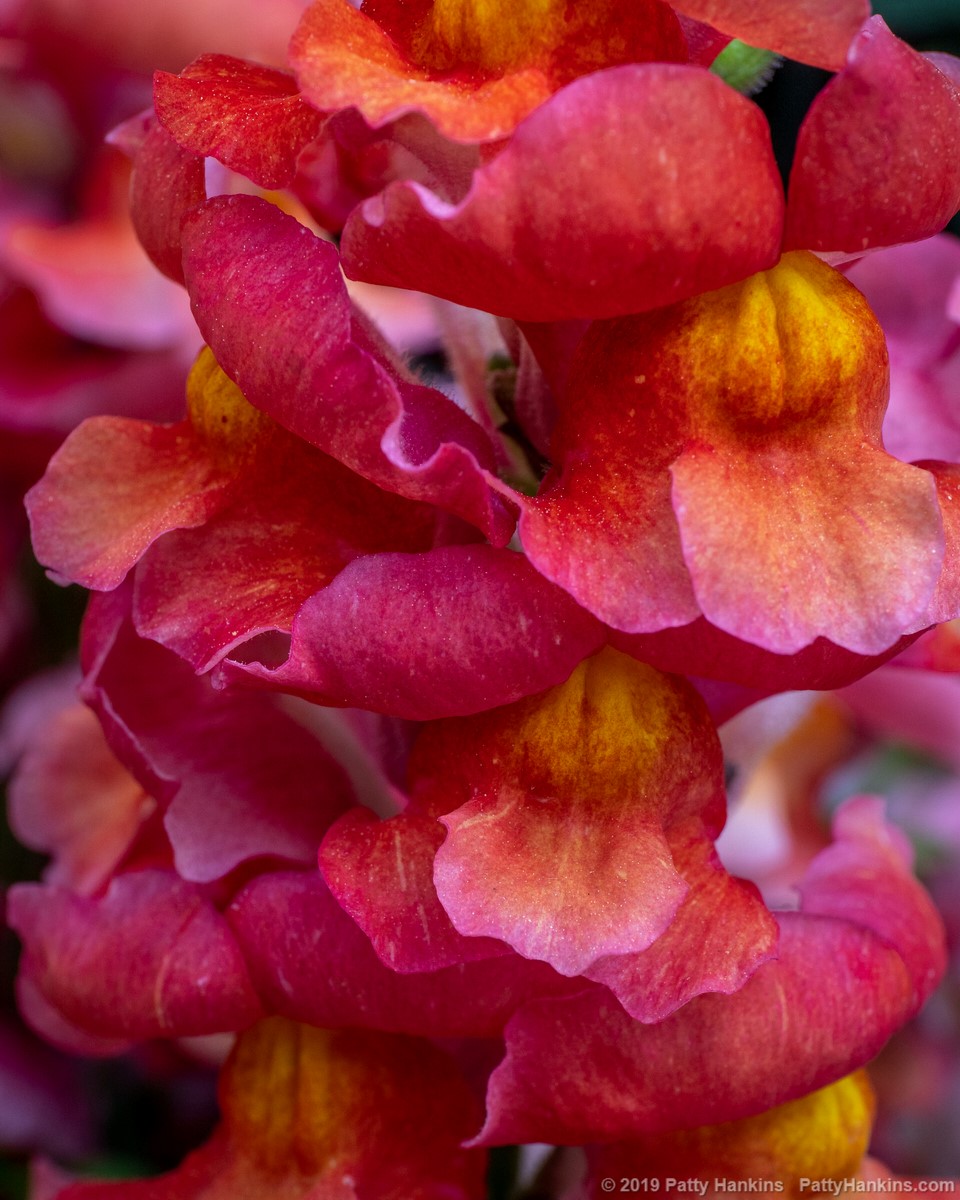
(476, 68)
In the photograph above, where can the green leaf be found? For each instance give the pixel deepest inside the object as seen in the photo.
(744, 67)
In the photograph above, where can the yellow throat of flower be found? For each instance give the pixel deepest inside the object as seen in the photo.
(823, 1135)
(493, 35)
(791, 344)
(228, 425)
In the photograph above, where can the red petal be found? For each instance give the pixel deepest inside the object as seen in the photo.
(240, 779)
(679, 195)
(167, 182)
(276, 915)
(702, 649)
(721, 934)
(381, 872)
(298, 517)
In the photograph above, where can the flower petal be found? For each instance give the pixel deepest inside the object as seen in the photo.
(381, 873)
(565, 223)
(72, 799)
(474, 80)
(91, 274)
(454, 630)
(822, 1136)
(777, 410)
(316, 1115)
(909, 288)
(813, 31)
(702, 649)
(876, 162)
(183, 974)
(721, 934)
(885, 525)
(111, 490)
(239, 778)
(347, 986)
(251, 118)
(297, 518)
(720, 1058)
(572, 806)
(167, 182)
(326, 376)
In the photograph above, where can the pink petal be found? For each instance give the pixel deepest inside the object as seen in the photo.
(240, 778)
(945, 601)
(381, 873)
(326, 377)
(71, 798)
(456, 630)
(295, 521)
(913, 706)
(276, 915)
(885, 896)
(168, 181)
(883, 519)
(615, 549)
(909, 288)
(92, 276)
(350, 161)
(50, 1023)
(721, 934)
(876, 160)
(182, 972)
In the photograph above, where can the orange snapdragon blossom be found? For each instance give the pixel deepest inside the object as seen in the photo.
(514, 608)
(711, 455)
(333, 1116)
